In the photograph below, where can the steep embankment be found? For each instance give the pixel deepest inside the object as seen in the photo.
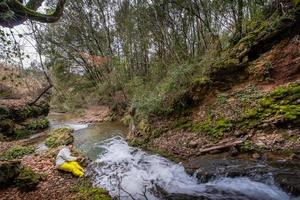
(247, 100)
(18, 116)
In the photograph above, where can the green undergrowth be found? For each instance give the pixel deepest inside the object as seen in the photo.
(85, 191)
(60, 136)
(246, 146)
(163, 96)
(29, 112)
(186, 85)
(37, 124)
(27, 179)
(281, 106)
(17, 151)
(18, 130)
(214, 128)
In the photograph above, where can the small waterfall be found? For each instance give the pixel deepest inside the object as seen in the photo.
(130, 173)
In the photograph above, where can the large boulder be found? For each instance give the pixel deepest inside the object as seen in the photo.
(59, 137)
(9, 170)
(27, 179)
(21, 121)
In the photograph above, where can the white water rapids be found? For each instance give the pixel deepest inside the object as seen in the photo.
(129, 173)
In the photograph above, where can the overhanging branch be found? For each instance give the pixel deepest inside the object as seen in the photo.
(20, 13)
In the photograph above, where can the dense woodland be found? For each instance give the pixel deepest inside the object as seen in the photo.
(144, 53)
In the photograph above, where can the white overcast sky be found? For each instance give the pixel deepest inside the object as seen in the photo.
(27, 42)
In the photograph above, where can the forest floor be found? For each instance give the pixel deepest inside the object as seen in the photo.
(54, 184)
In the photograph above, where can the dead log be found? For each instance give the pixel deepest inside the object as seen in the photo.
(221, 146)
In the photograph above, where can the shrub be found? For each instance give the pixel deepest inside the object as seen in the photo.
(27, 179)
(18, 152)
(37, 124)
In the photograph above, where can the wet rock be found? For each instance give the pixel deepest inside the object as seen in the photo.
(210, 169)
(289, 181)
(184, 197)
(9, 170)
(233, 151)
(285, 173)
(288, 175)
(213, 193)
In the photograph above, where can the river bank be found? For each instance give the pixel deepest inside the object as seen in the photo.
(128, 171)
(33, 154)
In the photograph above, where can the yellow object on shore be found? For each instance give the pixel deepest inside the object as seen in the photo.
(72, 167)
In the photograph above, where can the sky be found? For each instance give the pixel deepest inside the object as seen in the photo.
(27, 44)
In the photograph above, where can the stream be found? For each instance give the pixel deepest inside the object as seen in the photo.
(130, 173)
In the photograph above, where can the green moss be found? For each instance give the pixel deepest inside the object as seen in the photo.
(296, 2)
(247, 146)
(37, 124)
(266, 103)
(181, 123)
(144, 126)
(17, 152)
(215, 129)
(201, 80)
(30, 112)
(222, 98)
(20, 133)
(85, 191)
(231, 62)
(7, 125)
(27, 179)
(281, 105)
(126, 120)
(60, 136)
(138, 142)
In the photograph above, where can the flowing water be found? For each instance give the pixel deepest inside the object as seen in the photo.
(130, 173)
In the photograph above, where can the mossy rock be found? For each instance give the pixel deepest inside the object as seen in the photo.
(4, 112)
(36, 124)
(29, 112)
(20, 130)
(17, 152)
(60, 136)
(7, 125)
(85, 191)
(27, 179)
(19, 133)
(9, 170)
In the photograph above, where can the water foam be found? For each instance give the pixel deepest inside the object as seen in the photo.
(130, 173)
